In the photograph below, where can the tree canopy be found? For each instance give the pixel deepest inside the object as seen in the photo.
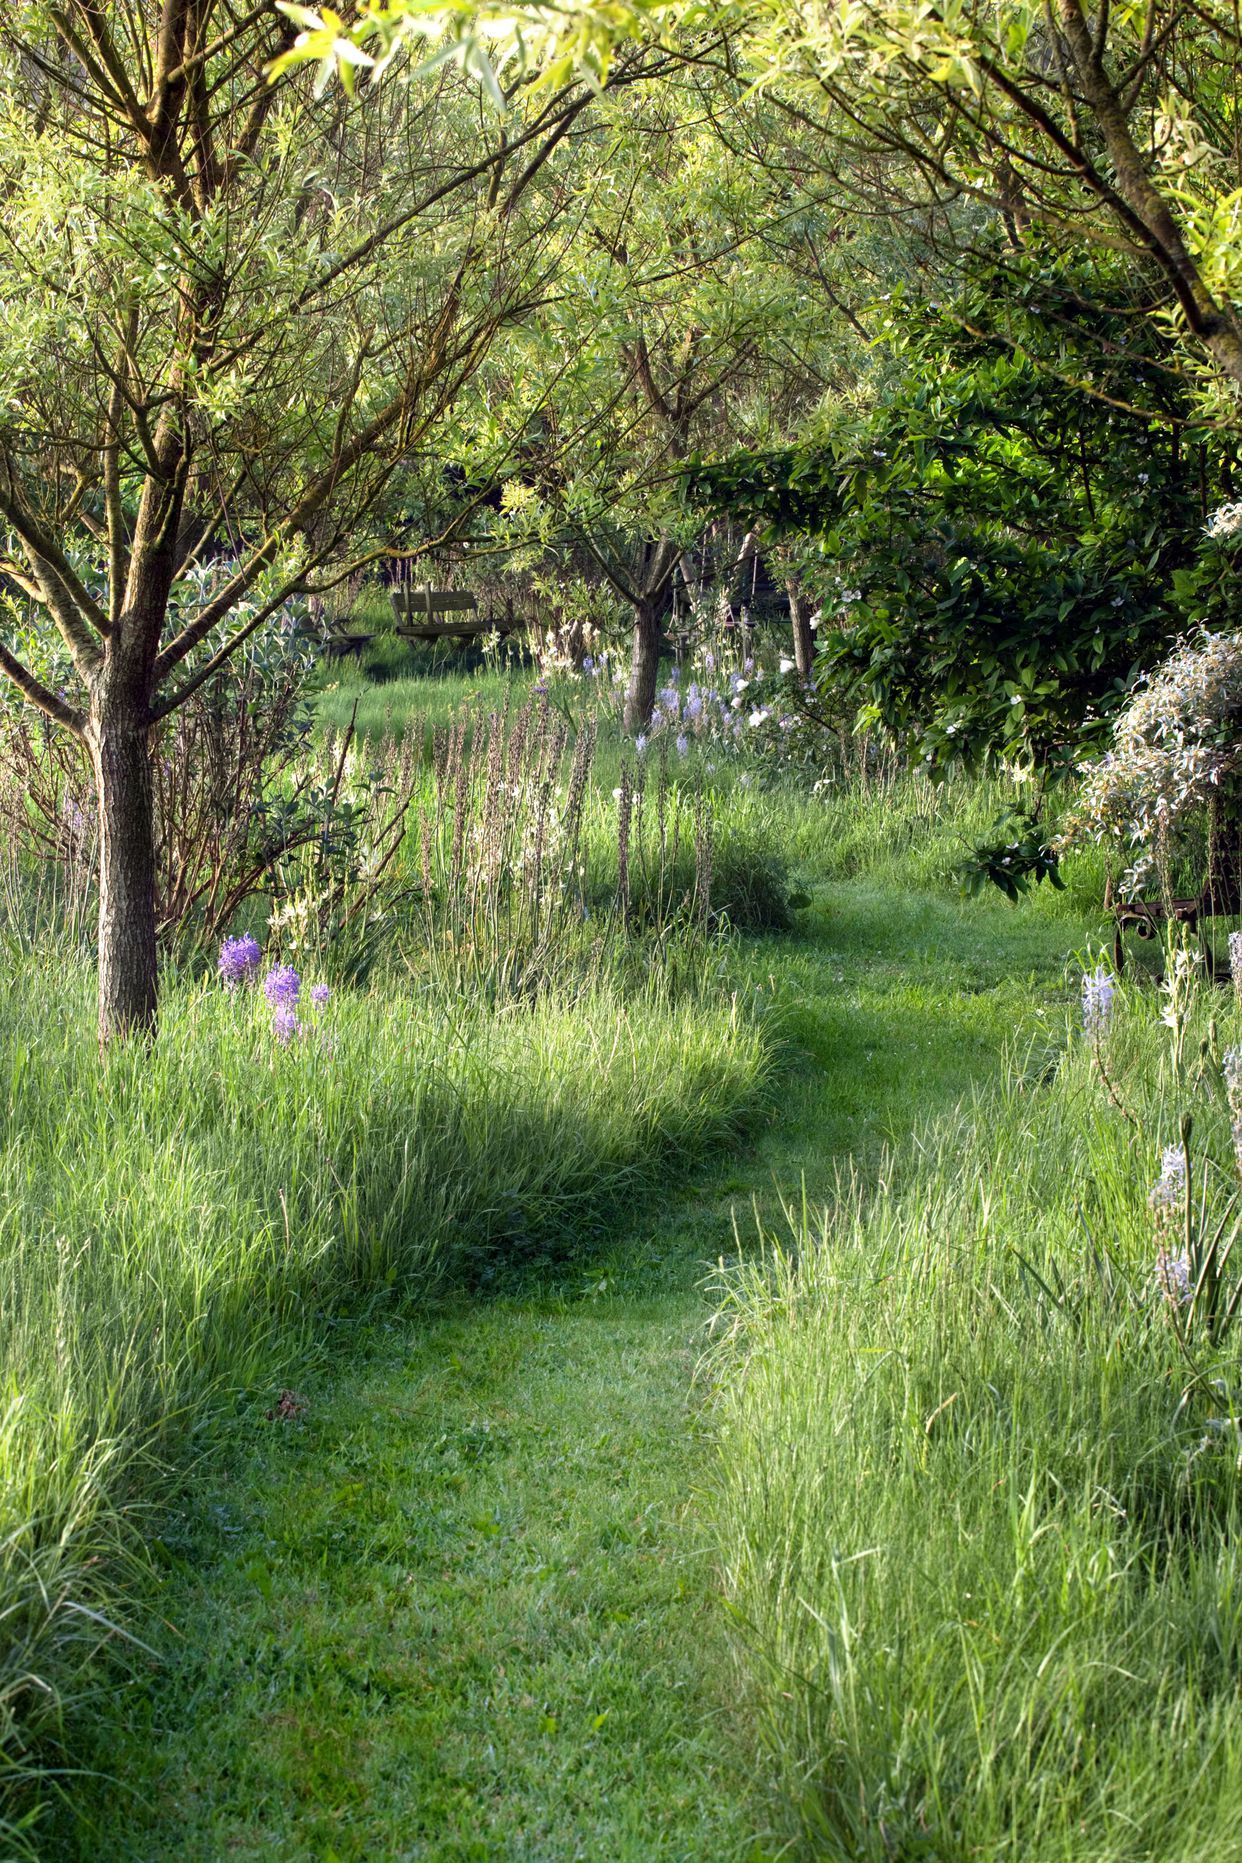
(1015, 530)
(228, 313)
(1115, 128)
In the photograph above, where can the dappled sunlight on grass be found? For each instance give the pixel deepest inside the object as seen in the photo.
(464, 1600)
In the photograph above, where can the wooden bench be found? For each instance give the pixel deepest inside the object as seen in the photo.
(340, 643)
(1221, 897)
(416, 611)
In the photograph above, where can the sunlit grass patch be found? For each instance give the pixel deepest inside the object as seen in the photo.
(981, 1544)
(181, 1217)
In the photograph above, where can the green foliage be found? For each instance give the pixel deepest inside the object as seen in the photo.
(1015, 530)
(1020, 857)
(935, 97)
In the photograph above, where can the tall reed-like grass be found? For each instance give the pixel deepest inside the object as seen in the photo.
(978, 1491)
(501, 864)
(177, 1218)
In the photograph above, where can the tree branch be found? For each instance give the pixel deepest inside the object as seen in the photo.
(38, 694)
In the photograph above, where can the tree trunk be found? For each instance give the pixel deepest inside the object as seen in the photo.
(803, 636)
(644, 667)
(117, 736)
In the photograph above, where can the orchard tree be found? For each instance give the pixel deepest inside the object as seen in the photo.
(1112, 125)
(227, 312)
(678, 324)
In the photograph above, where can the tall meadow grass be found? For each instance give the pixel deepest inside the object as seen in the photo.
(977, 1496)
(494, 859)
(178, 1218)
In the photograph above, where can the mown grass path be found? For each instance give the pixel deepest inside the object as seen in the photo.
(461, 1605)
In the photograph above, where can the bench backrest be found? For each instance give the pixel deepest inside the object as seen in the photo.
(422, 604)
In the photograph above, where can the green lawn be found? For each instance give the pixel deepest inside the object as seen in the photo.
(390, 708)
(460, 1606)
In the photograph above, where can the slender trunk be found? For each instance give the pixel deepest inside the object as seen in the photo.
(803, 637)
(117, 735)
(1210, 318)
(644, 667)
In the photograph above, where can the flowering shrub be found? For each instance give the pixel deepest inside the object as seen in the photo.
(705, 705)
(1175, 749)
(1225, 522)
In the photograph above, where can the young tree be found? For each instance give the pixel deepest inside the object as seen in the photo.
(676, 325)
(227, 312)
(1115, 124)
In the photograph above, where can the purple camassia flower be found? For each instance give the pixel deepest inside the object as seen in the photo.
(1098, 989)
(282, 986)
(640, 743)
(1173, 1277)
(683, 744)
(239, 960)
(285, 1024)
(694, 704)
(1167, 1191)
(319, 994)
(1231, 1065)
(709, 662)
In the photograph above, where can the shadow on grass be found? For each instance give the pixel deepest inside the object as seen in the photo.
(457, 1606)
